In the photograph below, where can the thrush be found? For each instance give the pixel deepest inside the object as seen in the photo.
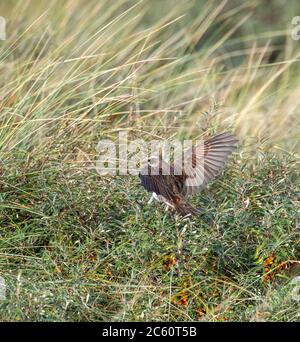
(172, 188)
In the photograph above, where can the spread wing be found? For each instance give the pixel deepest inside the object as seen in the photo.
(208, 160)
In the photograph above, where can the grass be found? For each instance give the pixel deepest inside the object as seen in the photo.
(76, 246)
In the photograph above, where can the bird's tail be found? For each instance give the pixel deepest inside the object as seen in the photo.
(185, 209)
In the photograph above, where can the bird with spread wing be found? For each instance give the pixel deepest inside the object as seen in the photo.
(173, 188)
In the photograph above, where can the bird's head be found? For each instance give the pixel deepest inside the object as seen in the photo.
(153, 161)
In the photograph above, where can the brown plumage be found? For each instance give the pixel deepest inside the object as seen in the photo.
(173, 188)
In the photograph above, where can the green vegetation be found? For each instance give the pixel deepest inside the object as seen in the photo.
(75, 246)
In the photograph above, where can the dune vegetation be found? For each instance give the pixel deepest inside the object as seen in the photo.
(77, 246)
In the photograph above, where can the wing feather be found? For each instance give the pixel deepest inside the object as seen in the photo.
(160, 184)
(215, 151)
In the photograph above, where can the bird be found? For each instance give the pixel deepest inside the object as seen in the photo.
(207, 160)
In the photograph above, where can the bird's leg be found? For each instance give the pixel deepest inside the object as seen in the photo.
(168, 206)
(151, 198)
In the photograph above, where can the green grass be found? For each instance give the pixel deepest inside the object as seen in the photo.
(75, 246)
(88, 248)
